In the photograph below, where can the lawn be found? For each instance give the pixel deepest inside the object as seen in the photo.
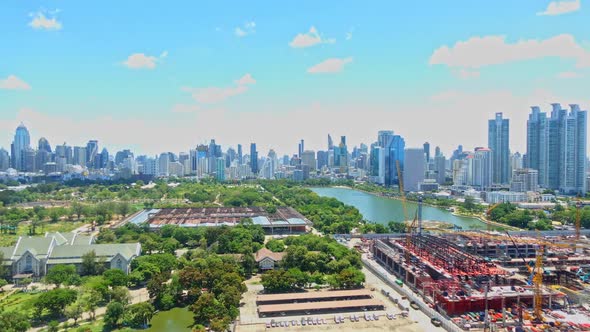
(18, 301)
(7, 240)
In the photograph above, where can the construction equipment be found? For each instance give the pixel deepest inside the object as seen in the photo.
(538, 284)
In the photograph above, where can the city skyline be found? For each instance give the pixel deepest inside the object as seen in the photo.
(302, 72)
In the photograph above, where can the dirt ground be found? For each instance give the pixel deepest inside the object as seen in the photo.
(250, 322)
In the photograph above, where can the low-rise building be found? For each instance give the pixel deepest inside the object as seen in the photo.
(268, 260)
(34, 256)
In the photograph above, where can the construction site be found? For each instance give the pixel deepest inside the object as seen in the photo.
(490, 280)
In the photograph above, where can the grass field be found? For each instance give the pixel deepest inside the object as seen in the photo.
(7, 240)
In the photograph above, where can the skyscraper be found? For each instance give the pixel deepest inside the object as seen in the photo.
(240, 155)
(394, 153)
(415, 168)
(22, 142)
(308, 158)
(427, 151)
(330, 142)
(91, 152)
(4, 160)
(254, 159)
(322, 159)
(498, 141)
(301, 149)
(482, 168)
(44, 145)
(557, 148)
(536, 144)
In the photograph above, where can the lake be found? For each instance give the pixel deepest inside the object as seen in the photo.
(176, 319)
(383, 210)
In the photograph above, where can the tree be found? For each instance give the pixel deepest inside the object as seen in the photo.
(115, 277)
(207, 308)
(397, 227)
(74, 311)
(90, 264)
(77, 209)
(138, 315)
(90, 300)
(249, 264)
(61, 274)
(54, 301)
(275, 245)
(123, 209)
(276, 281)
(120, 294)
(114, 315)
(14, 321)
(53, 326)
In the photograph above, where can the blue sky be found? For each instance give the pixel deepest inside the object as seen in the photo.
(167, 76)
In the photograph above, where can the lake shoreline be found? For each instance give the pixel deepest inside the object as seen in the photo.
(475, 217)
(380, 211)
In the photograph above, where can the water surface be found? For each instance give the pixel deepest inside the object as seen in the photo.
(383, 210)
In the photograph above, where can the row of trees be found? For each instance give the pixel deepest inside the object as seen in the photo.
(329, 215)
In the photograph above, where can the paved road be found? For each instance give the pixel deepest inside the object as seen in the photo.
(373, 281)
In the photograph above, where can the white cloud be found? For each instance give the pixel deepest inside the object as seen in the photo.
(349, 34)
(478, 52)
(246, 79)
(467, 74)
(247, 29)
(143, 61)
(561, 7)
(13, 83)
(40, 21)
(332, 65)
(309, 39)
(568, 74)
(185, 108)
(212, 95)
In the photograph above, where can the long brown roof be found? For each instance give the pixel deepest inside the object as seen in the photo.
(264, 253)
(270, 308)
(313, 295)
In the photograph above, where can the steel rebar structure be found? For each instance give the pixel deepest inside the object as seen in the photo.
(446, 255)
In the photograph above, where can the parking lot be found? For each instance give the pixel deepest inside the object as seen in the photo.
(390, 319)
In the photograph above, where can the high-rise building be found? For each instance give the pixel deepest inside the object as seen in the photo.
(220, 169)
(525, 179)
(440, 168)
(80, 156)
(91, 153)
(498, 141)
(557, 148)
(240, 155)
(22, 142)
(377, 164)
(163, 161)
(254, 159)
(394, 154)
(536, 143)
(330, 142)
(301, 148)
(4, 160)
(415, 167)
(427, 151)
(308, 158)
(437, 151)
(44, 145)
(481, 169)
(516, 162)
(322, 159)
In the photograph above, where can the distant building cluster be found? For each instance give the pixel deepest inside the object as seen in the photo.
(555, 160)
